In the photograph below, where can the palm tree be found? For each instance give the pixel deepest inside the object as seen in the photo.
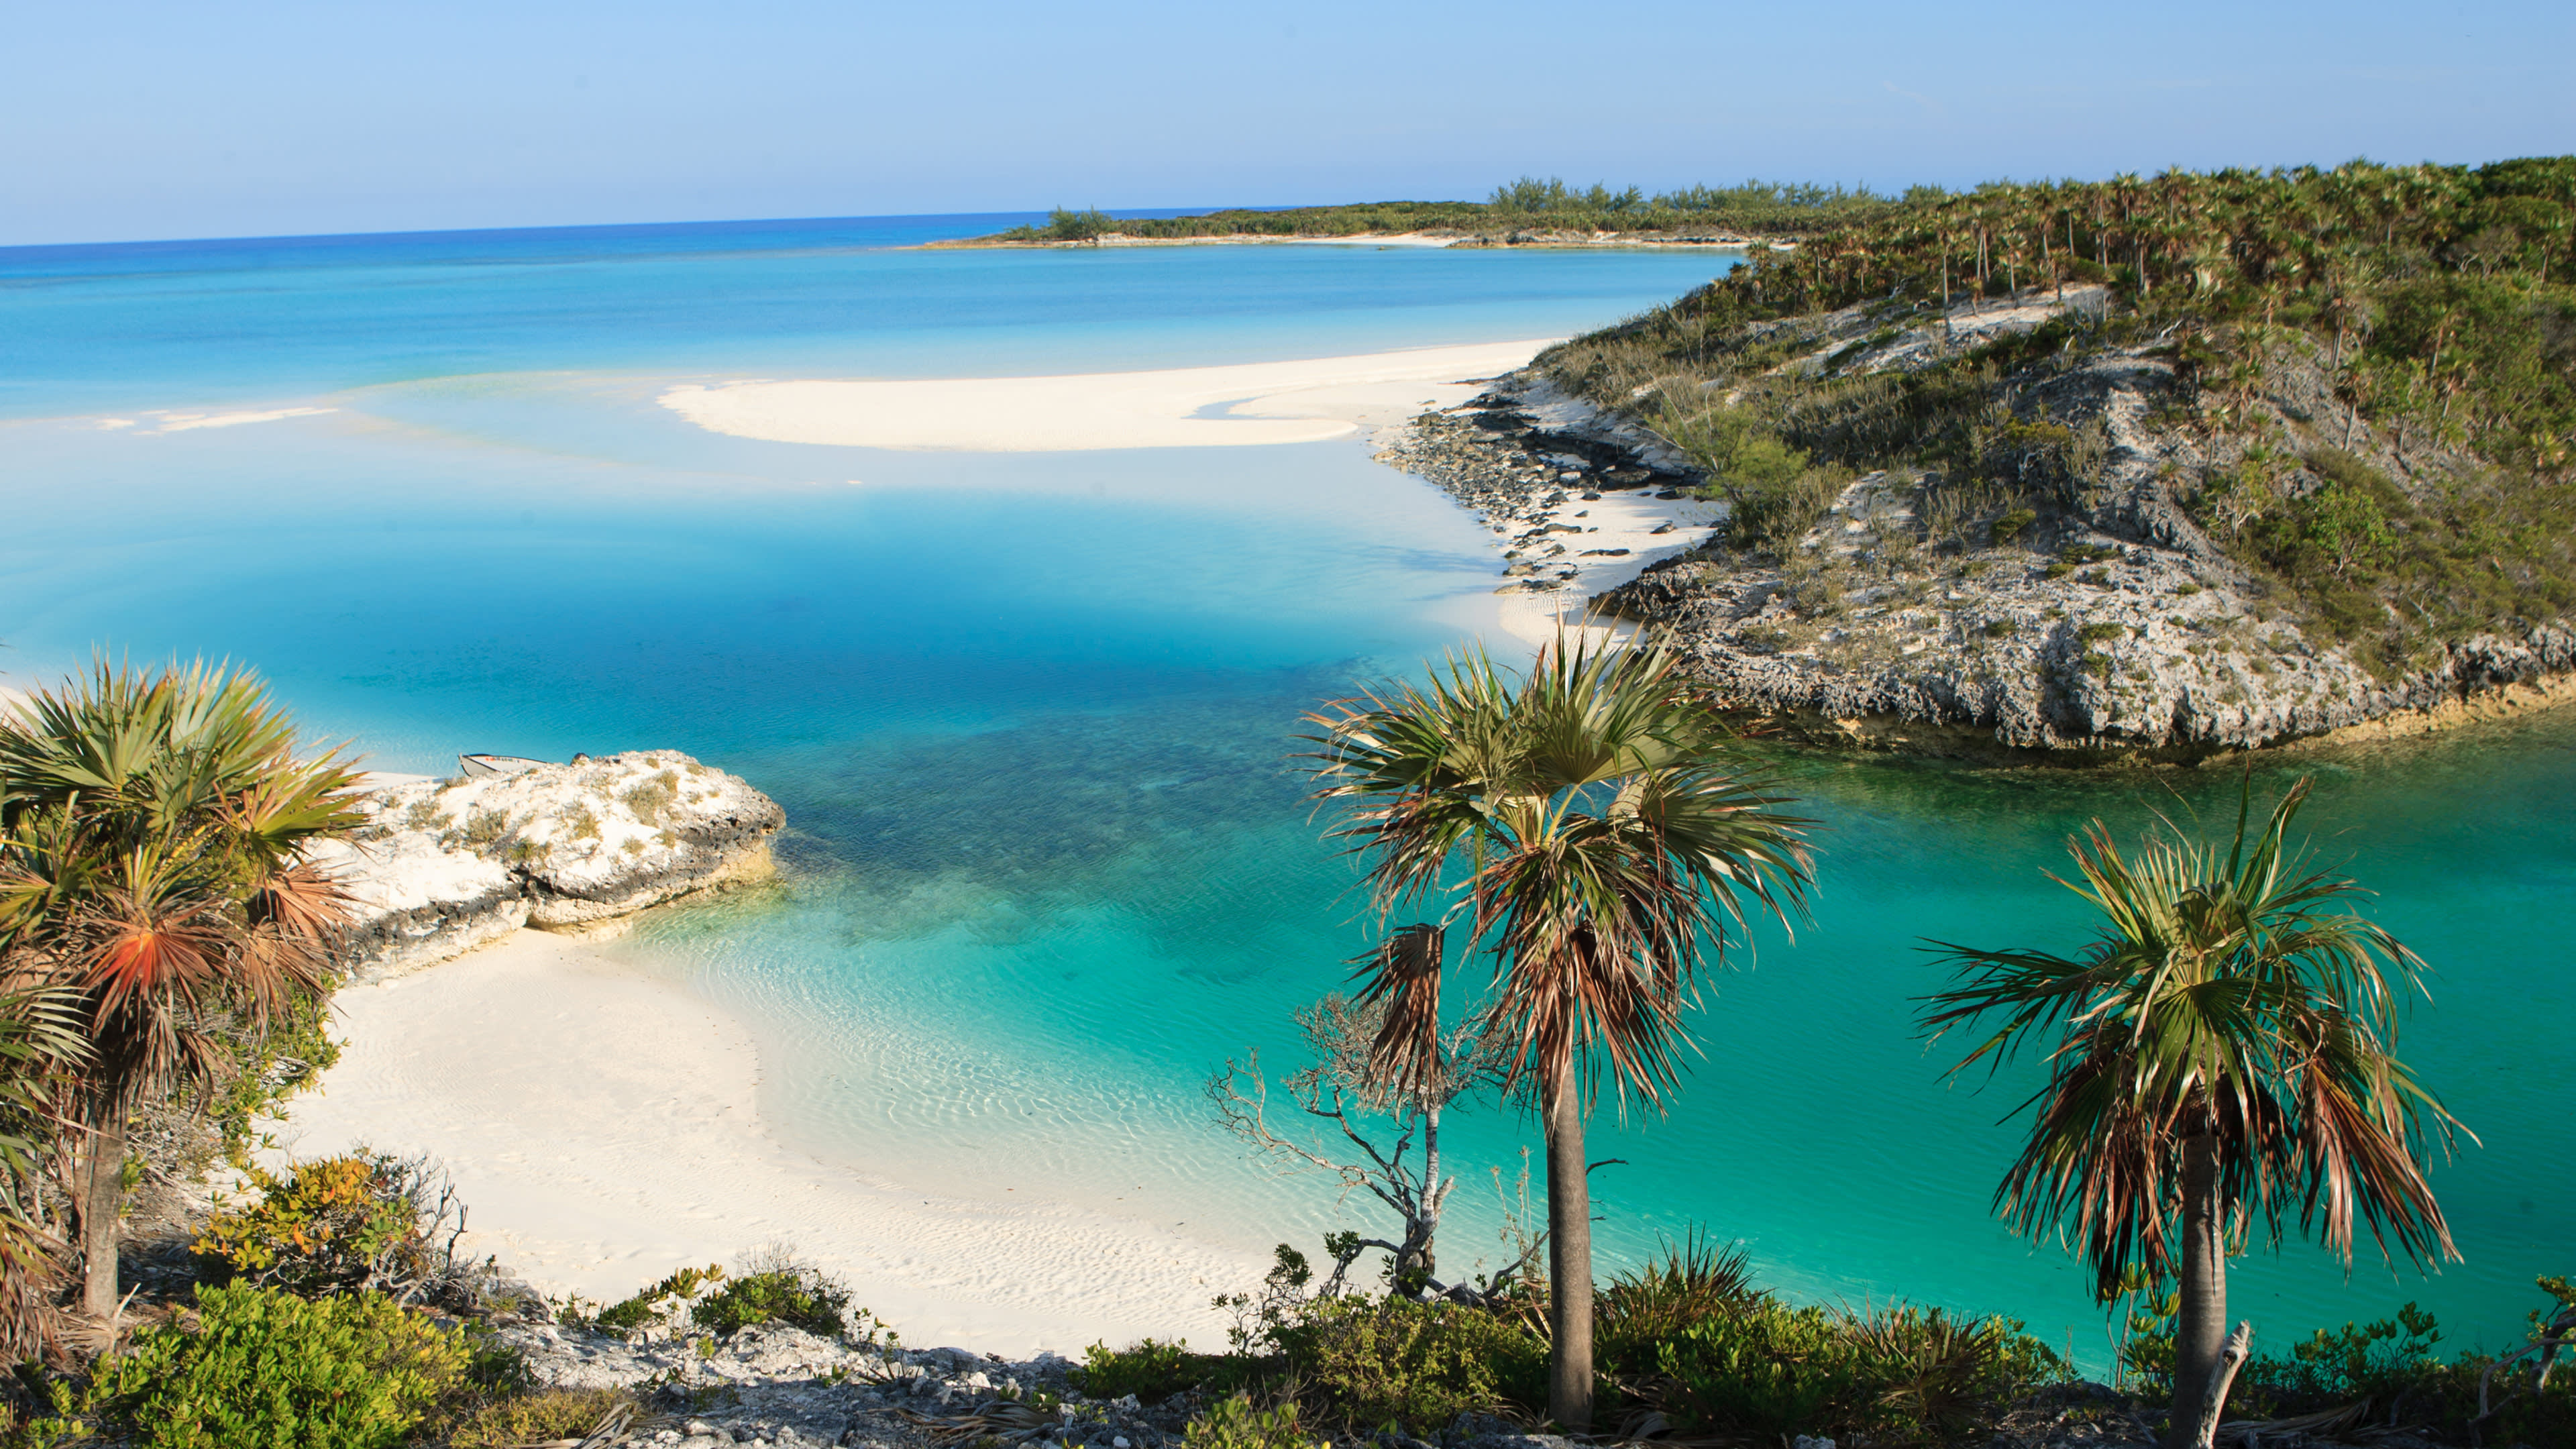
(1584, 821)
(39, 1040)
(2224, 1045)
(151, 867)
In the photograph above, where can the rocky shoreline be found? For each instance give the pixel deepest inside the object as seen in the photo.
(443, 866)
(1545, 474)
(776, 1385)
(779, 1386)
(2117, 635)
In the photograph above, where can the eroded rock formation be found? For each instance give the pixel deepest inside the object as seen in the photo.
(444, 866)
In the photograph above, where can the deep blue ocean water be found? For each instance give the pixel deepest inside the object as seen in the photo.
(1030, 716)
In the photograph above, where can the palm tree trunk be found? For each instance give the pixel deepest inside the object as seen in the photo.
(1569, 1256)
(1425, 1262)
(102, 1198)
(2200, 1330)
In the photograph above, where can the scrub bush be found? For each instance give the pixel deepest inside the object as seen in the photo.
(1151, 1370)
(1696, 1281)
(1233, 1423)
(339, 1224)
(2392, 1363)
(770, 1286)
(1380, 1360)
(654, 1305)
(799, 1295)
(1902, 1375)
(263, 1369)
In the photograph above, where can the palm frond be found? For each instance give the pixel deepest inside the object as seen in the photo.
(1584, 818)
(1403, 973)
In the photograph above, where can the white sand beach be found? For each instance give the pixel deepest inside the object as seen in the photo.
(604, 1129)
(1251, 404)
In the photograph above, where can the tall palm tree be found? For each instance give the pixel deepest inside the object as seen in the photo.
(152, 828)
(2224, 1045)
(1584, 821)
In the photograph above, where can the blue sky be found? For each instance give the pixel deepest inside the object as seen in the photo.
(137, 120)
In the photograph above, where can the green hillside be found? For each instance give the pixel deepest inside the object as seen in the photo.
(2372, 405)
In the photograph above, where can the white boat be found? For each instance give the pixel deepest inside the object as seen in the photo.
(477, 766)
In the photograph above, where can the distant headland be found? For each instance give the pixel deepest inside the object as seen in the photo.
(1527, 212)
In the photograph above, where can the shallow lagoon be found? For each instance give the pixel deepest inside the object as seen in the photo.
(1031, 718)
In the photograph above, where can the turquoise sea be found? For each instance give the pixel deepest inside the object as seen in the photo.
(1030, 716)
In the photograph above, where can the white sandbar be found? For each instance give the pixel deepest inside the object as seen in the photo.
(1192, 407)
(604, 1128)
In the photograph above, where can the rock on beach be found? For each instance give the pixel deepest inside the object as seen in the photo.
(443, 866)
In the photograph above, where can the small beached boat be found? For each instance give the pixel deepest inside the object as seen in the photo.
(477, 766)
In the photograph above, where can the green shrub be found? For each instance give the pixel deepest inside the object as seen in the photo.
(1421, 1364)
(2393, 1363)
(1088, 224)
(1151, 1370)
(1903, 1374)
(2011, 525)
(2335, 531)
(2096, 633)
(1640, 1310)
(1770, 1372)
(2374, 1360)
(266, 1068)
(801, 1296)
(1233, 1423)
(263, 1369)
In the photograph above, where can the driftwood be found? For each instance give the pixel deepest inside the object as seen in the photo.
(2230, 1359)
(2323, 1424)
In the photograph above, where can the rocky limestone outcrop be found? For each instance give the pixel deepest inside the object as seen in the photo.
(771, 1384)
(443, 866)
(2110, 627)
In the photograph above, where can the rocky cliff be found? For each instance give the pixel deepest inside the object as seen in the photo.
(443, 866)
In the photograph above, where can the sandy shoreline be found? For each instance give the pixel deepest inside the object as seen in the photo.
(1248, 405)
(603, 1127)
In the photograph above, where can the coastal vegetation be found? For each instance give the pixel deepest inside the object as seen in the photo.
(1610, 847)
(2357, 385)
(156, 906)
(1751, 209)
(1687, 1346)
